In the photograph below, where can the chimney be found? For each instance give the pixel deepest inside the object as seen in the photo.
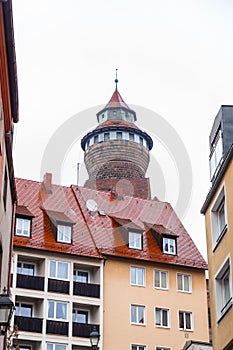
(47, 183)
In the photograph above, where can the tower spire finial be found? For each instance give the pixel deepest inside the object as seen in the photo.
(116, 80)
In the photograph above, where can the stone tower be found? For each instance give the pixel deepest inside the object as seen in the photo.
(117, 151)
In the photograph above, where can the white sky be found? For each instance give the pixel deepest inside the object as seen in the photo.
(174, 58)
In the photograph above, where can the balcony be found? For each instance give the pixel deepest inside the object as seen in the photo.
(83, 329)
(58, 286)
(29, 324)
(86, 289)
(57, 327)
(30, 282)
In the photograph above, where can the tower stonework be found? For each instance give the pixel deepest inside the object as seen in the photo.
(117, 151)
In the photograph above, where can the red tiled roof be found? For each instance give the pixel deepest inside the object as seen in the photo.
(116, 101)
(96, 234)
(116, 123)
(22, 210)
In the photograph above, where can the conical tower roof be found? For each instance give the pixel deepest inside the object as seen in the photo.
(116, 101)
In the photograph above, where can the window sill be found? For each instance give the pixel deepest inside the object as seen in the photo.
(186, 330)
(184, 291)
(137, 285)
(163, 327)
(158, 288)
(138, 324)
(220, 237)
(225, 310)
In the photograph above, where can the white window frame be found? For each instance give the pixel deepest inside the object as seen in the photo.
(218, 233)
(161, 310)
(137, 269)
(183, 276)
(56, 302)
(27, 229)
(20, 306)
(184, 316)
(223, 305)
(135, 240)
(216, 155)
(57, 262)
(138, 307)
(138, 346)
(64, 233)
(75, 275)
(54, 345)
(160, 272)
(171, 242)
(76, 310)
(24, 263)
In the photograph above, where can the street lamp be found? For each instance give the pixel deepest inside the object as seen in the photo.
(6, 311)
(94, 338)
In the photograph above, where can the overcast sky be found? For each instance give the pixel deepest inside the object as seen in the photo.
(174, 57)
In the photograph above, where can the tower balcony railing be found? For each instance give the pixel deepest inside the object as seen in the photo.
(83, 329)
(86, 289)
(29, 324)
(30, 282)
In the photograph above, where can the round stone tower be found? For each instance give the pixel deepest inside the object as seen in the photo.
(117, 151)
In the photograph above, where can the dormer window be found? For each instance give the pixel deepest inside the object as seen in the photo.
(135, 240)
(64, 233)
(23, 227)
(169, 245)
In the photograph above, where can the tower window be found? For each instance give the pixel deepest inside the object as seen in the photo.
(96, 138)
(141, 140)
(119, 135)
(106, 136)
(131, 137)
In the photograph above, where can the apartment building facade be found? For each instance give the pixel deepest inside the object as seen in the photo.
(218, 209)
(8, 116)
(107, 236)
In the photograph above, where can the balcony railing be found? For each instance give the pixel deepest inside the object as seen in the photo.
(30, 282)
(58, 286)
(83, 329)
(86, 289)
(57, 327)
(29, 324)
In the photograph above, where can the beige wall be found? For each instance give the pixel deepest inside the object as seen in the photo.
(222, 331)
(119, 295)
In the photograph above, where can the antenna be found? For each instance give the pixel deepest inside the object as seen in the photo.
(116, 80)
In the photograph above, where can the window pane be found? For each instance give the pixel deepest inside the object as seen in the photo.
(82, 317)
(140, 314)
(52, 268)
(157, 284)
(181, 320)
(26, 310)
(163, 279)
(133, 314)
(221, 217)
(133, 275)
(158, 317)
(62, 270)
(82, 277)
(186, 283)
(226, 289)
(140, 277)
(188, 320)
(61, 311)
(179, 280)
(165, 319)
(49, 346)
(60, 347)
(51, 309)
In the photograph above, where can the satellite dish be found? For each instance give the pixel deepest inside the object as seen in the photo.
(91, 204)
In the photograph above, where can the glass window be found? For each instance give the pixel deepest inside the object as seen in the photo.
(25, 269)
(96, 138)
(223, 289)
(23, 310)
(169, 246)
(64, 233)
(185, 320)
(183, 283)
(138, 347)
(56, 346)
(161, 279)
(141, 140)
(131, 136)
(80, 276)
(80, 316)
(106, 136)
(137, 314)
(57, 310)
(135, 240)
(23, 227)
(119, 135)
(137, 276)
(58, 269)
(216, 154)
(161, 317)
(219, 218)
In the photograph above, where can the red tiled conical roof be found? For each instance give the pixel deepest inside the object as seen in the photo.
(116, 101)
